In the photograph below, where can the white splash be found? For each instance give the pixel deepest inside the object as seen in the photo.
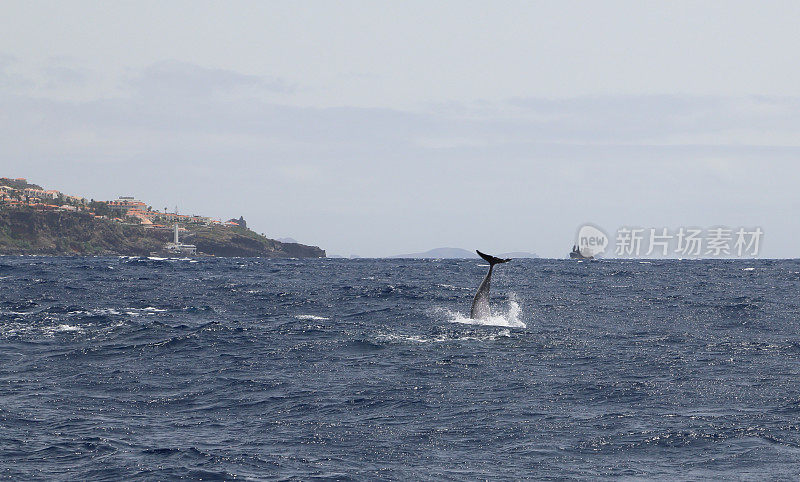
(311, 317)
(451, 287)
(67, 328)
(150, 310)
(509, 319)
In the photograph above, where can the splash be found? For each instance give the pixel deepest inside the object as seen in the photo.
(67, 328)
(509, 319)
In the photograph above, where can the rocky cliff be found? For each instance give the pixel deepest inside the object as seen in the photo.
(26, 231)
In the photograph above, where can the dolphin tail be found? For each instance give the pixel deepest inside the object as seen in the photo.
(492, 259)
(480, 304)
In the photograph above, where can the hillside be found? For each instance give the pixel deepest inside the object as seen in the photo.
(28, 231)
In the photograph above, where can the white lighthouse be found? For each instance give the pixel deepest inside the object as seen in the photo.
(178, 248)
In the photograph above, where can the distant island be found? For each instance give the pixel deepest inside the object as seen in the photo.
(459, 253)
(34, 220)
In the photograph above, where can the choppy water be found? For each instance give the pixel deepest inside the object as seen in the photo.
(367, 369)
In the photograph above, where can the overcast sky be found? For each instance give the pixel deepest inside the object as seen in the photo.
(378, 128)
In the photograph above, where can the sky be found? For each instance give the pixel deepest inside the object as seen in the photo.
(379, 128)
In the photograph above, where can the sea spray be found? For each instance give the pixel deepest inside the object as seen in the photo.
(509, 319)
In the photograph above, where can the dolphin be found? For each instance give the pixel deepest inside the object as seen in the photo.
(480, 304)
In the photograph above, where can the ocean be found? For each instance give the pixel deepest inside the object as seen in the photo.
(332, 369)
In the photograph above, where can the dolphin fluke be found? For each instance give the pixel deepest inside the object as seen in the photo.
(493, 260)
(480, 304)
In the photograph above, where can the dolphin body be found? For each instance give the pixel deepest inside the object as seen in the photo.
(480, 304)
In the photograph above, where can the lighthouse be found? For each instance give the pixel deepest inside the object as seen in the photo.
(176, 248)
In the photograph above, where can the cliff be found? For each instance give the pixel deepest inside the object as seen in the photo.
(27, 231)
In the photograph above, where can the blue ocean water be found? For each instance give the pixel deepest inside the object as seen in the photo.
(255, 369)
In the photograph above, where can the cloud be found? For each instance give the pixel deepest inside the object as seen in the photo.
(649, 120)
(188, 80)
(10, 79)
(63, 75)
(179, 97)
(180, 106)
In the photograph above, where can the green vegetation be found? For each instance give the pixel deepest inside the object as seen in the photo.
(101, 208)
(17, 184)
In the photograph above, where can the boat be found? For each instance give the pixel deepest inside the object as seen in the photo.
(576, 253)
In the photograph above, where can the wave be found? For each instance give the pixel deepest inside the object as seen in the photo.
(65, 327)
(394, 338)
(311, 317)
